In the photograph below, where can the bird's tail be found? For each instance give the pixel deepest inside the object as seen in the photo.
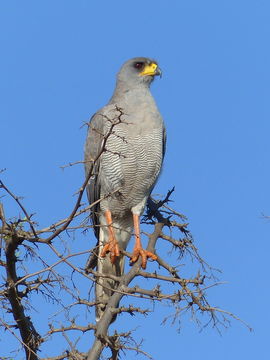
(104, 285)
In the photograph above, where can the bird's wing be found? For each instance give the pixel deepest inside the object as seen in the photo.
(93, 147)
(164, 141)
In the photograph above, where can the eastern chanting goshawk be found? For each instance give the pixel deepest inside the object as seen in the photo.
(126, 143)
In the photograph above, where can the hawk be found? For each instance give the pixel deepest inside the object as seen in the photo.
(124, 149)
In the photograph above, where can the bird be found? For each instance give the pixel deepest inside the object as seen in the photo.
(124, 152)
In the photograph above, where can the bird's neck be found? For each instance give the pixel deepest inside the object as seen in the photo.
(125, 92)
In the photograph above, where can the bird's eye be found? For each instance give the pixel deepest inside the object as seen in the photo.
(138, 65)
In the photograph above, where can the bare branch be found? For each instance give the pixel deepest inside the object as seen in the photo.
(30, 337)
(2, 185)
(56, 274)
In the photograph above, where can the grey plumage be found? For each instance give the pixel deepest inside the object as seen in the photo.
(129, 164)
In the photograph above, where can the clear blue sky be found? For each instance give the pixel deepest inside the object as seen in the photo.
(58, 63)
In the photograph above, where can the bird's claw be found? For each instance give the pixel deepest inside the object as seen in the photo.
(112, 248)
(145, 254)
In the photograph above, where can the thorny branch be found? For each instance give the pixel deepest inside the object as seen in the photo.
(49, 270)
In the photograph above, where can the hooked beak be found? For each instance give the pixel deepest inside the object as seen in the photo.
(158, 72)
(151, 70)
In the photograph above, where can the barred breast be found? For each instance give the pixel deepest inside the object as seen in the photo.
(130, 167)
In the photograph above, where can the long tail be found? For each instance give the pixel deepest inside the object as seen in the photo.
(105, 286)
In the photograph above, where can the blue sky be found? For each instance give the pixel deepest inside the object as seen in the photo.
(58, 66)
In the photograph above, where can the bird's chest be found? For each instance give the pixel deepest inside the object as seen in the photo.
(132, 161)
(144, 157)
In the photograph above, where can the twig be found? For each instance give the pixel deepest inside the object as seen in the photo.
(20, 205)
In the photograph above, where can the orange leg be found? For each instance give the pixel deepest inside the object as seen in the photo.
(112, 244)
(138, 250)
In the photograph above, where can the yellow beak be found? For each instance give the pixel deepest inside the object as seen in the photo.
(151, 69)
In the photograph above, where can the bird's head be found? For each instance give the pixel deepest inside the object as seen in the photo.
(139, 70)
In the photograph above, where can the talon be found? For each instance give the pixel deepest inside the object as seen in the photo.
(145, 254)
(138, 250)
(112, 246)
(105, 250)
